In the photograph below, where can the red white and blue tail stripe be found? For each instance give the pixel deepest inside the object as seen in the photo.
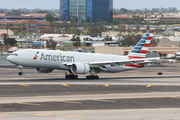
(140, 50)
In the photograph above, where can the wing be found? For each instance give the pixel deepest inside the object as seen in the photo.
(123, 62)
(114, 63)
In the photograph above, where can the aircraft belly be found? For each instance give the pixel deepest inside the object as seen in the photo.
(63, 67)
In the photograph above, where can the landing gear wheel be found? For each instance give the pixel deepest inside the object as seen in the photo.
(92, 77)
(67, 76)
(20, 73)
(71, 76)
(76, 76)
(97, 77)
(87, 77)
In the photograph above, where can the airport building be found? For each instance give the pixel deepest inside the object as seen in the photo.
(18, 25)
(36, 16)
(86, 10)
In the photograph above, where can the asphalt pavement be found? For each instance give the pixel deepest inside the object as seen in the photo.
(103, 104)
(25, 90)
(46, 96)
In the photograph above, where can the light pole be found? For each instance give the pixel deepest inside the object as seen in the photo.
(7, 36)
(174, 35)
(104, 34)
(4, 24)
(27, 35)
(27, 29)
(1, 47)
(21, 29)
(77, 12)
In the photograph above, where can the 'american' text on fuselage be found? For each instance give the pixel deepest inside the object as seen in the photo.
(60, 57)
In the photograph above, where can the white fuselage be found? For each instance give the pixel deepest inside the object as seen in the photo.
(56, 59)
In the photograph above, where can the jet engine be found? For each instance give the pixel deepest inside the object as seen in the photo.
(43, 70)
(80, 68)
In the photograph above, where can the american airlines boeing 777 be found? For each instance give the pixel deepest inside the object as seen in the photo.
(45, 61)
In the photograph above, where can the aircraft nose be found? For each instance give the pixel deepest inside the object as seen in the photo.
(9, 58)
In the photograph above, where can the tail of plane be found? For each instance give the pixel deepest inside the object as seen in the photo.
(140, 50)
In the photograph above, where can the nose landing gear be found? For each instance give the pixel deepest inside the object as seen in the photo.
(20, 68)
(20, 73)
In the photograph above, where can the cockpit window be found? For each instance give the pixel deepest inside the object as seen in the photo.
(14, 54)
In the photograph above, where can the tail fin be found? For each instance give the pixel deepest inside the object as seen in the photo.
(140, 50)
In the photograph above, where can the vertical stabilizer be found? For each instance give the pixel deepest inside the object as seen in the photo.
(140, 50)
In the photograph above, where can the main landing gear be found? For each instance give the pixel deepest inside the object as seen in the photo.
(92, 77)
(20, 68)
(70, 75)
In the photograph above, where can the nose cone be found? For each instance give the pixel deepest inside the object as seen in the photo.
(9, 58)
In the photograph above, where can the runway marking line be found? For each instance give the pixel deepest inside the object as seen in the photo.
(175, 97)
(71, 115)
(74, 102)
(24, 85)
(148, 86)
(29, 104)
(44, 114)
(106, 85)
(65, 85)
(104, 100)
(57, 115)
(71, 102)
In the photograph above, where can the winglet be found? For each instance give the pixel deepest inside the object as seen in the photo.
(140, 50)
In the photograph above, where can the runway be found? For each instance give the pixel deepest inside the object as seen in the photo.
(173, 80)
(113, 96)
(28, 90)
(129, 114)
(91, 102)
(144, 76)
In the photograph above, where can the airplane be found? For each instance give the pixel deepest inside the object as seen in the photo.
(45, 61)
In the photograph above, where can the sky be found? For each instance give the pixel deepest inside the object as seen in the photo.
(54, 4)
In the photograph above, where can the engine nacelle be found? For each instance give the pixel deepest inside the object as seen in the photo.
(80, 68)
(43, 70)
